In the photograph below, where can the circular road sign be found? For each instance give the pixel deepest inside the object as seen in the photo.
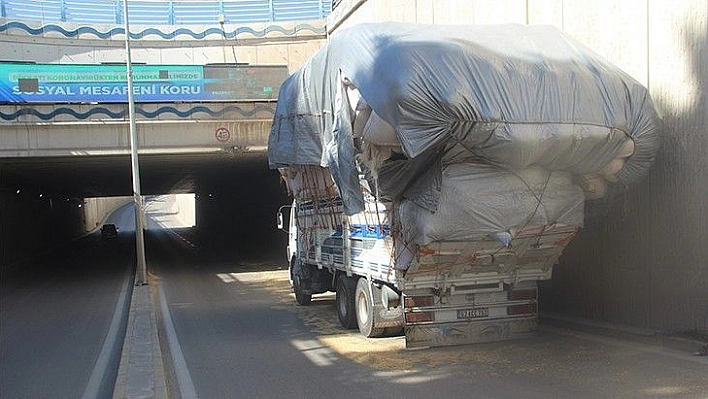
(222, 134)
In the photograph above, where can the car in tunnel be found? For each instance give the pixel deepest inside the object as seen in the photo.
(109, 231)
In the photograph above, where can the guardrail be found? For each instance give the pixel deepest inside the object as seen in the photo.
(165, 12)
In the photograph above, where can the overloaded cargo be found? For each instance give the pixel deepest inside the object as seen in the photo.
(439, 171)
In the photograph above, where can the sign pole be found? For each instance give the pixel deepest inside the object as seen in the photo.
(141, 273)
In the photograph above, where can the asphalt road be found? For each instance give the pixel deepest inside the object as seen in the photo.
(235, 325)
(242, 335)
(60, 317)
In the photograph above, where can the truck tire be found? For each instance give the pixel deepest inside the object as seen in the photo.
(346, 309)
(300, 297)
(366, 311)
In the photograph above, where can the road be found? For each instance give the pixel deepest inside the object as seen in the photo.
(242, 335)
(61, 315)
(237, 328)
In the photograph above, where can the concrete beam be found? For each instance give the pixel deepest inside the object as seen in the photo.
(112, 137)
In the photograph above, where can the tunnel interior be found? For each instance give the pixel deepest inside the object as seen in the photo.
(236, 200)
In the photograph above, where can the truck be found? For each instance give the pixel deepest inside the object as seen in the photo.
(438, 172)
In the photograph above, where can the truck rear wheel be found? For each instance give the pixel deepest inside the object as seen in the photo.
(300, 297)
(346, 308)
(366, 311)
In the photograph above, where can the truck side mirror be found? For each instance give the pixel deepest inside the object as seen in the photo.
(281, 224)
(280, 220)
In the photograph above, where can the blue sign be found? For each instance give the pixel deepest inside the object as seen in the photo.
(69, 83)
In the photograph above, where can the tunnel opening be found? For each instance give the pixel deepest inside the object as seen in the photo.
(50, 201)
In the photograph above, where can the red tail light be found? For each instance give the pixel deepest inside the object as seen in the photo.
(419, 317)
(418, 301)
(528, 308)
(520, 295)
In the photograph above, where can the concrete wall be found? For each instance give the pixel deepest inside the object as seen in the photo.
(96, 137)
(641, 260)
(171, 210)
(184, 206)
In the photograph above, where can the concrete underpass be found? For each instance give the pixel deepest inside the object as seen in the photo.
(637, 269)
(236, 198)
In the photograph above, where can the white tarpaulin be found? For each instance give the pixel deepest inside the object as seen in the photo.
(409, 100)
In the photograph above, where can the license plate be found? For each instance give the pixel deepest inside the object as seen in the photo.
(472, 313)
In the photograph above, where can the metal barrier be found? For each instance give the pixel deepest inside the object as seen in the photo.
(165, 12)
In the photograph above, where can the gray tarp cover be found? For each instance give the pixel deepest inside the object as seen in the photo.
(510, 96)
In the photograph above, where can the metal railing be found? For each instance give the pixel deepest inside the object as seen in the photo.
(165, 12)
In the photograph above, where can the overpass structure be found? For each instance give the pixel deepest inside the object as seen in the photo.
(205, 87)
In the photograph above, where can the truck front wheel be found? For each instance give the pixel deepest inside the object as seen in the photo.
(365, 310)
(346, 309)
(295, 279)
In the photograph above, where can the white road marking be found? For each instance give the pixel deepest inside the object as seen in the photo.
(93, 386)
(184, 380)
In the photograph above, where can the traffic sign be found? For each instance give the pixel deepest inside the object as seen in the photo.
(222, 134)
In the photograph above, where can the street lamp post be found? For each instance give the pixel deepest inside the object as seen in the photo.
(141, 273)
